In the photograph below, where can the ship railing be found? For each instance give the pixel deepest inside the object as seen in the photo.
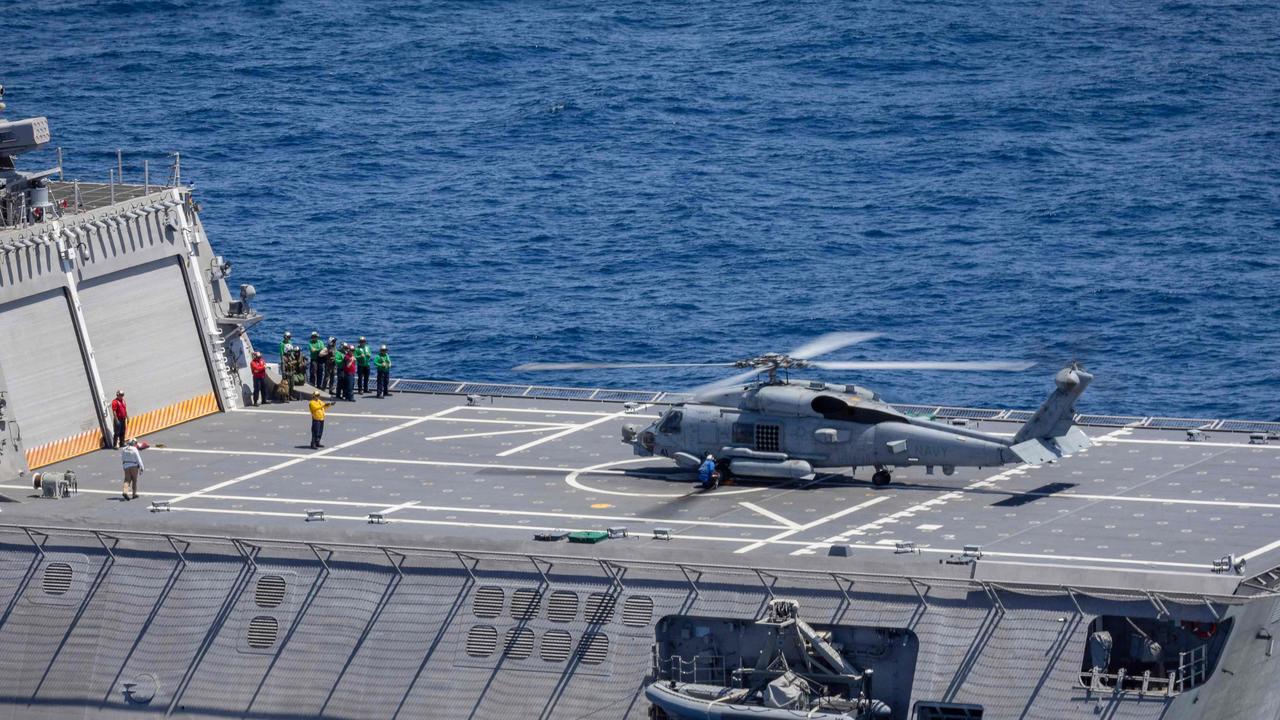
(699, 669)
(623, 572)
(1192, 671)
(1196, 428)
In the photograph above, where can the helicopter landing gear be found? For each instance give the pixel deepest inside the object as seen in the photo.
(726, 475)
(881, 477)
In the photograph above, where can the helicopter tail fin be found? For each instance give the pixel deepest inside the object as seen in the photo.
(1051, 432)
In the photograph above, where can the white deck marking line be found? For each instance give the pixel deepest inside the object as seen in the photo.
(1188, 443)
(414, 505)
(396, 461)
(562, 433)
(704, 538)
(538, 411)
(942, 499)
(572, 481)
(320, 453)
(771, 515)
(390, 509)
(92, 490)
(482, 421)
(810, 525)
(487, 434)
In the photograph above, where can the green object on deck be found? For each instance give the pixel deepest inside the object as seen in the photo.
(588, 536)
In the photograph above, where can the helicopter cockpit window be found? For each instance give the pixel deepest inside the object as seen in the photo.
(671, 422)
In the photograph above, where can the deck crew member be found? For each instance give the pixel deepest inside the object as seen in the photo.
(317, 407)
(119, 420)
(330, 358)
(383, 363)
(131, 458)
(707, 473)
(349, 373)
(364, 354)
(286, 342)
(258, 367)
(314, 368)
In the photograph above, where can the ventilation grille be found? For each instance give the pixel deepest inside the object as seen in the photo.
(940, 711)
(1275, 611)
(637, 611)
(519, 643)
(593, 649)
(488, 602)
(57, 578)
(482, 641)
(767, 438)
(599, 608)
(269, 592)
(525, 604)
(262, 632)
(562, 606)
(556, 645)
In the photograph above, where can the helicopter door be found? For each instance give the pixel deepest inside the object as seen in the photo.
(707, 433)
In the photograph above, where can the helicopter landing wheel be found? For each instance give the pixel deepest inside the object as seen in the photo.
(881, 478)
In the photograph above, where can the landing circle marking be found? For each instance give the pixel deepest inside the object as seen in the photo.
(572, 480)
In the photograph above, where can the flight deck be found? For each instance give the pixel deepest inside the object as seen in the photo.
(438, 469)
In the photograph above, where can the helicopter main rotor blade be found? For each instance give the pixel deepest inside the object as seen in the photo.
(831, 342)
(527, 367)
(970, 366)
(738, 379)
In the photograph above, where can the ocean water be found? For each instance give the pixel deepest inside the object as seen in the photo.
(487, 183)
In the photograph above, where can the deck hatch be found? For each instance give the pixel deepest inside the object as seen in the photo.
(482, 641)
(263, 630)
(637, 611)
(57, 578)
(593, 649)
(269, 591)
(562, 606)
(556, 645)
(525, 604)
(488, 602)
(518, 644)
(599, 608)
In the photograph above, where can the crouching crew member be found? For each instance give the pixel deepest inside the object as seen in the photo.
(708, 476)
(131, 458)
(383, 363)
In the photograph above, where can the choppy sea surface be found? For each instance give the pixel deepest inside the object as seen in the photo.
(482, 184)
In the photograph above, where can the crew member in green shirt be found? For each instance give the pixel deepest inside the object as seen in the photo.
(315, 370)
(363, 354)
(382, 361)
(286, 342)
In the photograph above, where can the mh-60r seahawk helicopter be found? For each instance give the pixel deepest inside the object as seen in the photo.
(781, 428)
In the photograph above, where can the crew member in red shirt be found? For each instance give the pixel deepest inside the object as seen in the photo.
(120, 418)
(349, 374)
(258, 367)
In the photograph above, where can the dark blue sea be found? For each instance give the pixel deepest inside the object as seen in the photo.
(488, 183)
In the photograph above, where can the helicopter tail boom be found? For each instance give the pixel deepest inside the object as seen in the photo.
(1051, 432)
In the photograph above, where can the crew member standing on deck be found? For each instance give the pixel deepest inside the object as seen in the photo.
(131, 458)
(119, 420)
(383, 363)
(286, 343)
(315, 368)
(363, 355)
(258, 367)
(330, 357)
(349, 374)
(317, 407)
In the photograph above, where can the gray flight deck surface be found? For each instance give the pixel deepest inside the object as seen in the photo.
(1140, 503)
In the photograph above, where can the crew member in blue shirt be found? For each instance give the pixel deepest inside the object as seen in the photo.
(707, 472)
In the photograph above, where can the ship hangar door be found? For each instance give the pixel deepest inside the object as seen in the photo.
(47, 384)
(146, 340)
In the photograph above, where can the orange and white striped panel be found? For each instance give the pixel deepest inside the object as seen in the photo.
(60, 450)
(170, 415)
(139, 425)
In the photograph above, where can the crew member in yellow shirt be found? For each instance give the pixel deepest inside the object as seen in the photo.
(317, 407)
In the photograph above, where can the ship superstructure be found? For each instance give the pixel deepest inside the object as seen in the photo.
(493, 551)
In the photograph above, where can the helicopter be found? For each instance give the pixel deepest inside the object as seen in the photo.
(775, 427)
